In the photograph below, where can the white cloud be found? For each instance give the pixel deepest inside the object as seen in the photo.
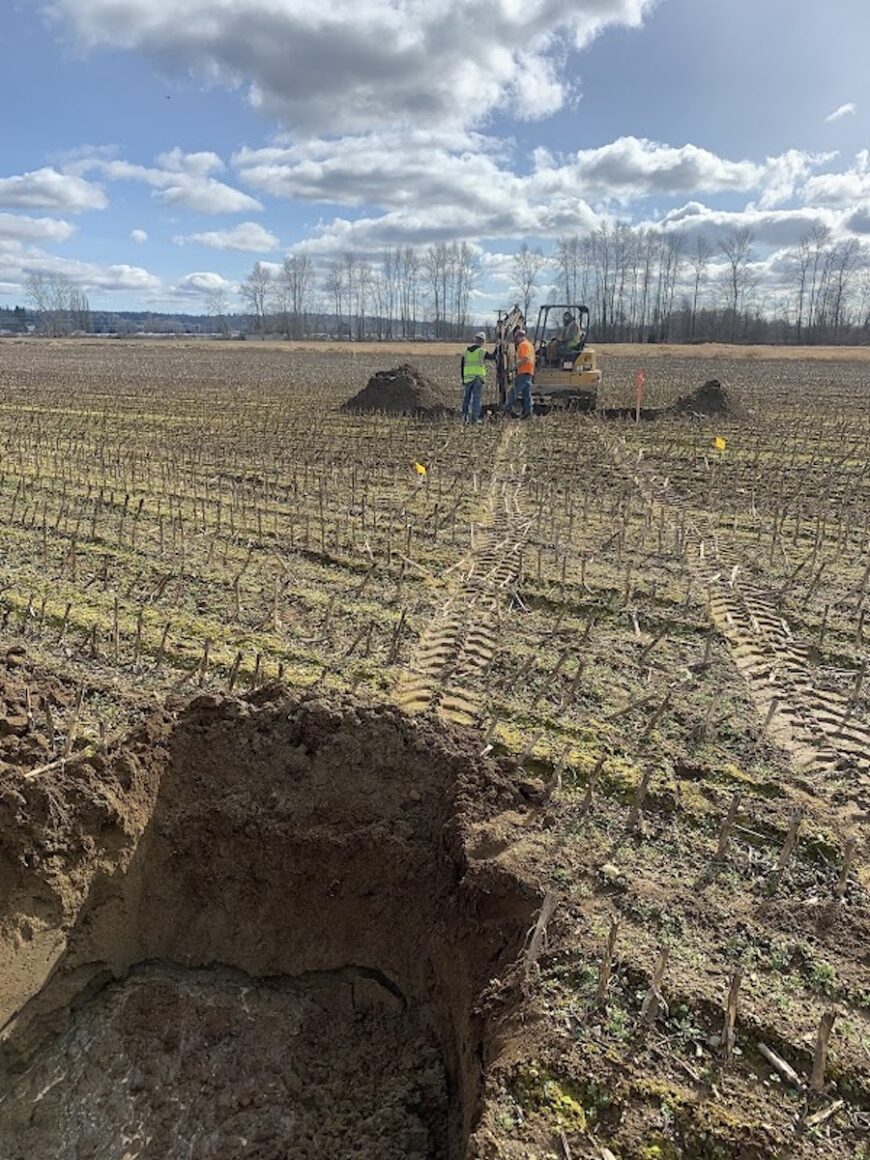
(28, 229)
(770, 227)
(48, 189)
(847, 110)
(179, 179)
(140, 237)
(193, 164)
(462, 185)
(203, 282)
(17, 261)
(246, 237)
(423, 183)
(841, 189)
(355, 65)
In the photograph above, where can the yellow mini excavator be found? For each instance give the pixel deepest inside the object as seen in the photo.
(566, 369)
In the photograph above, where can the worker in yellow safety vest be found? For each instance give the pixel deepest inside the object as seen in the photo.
(473, 372)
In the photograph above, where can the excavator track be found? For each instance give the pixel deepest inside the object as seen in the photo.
(816, 726)
(461, 642)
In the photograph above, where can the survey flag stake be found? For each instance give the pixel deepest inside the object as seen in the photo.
(640, 379)
(420, 469)
(720, 443)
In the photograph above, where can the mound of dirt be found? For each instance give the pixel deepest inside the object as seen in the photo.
(264, 930)
(401, 391)
(711, 399)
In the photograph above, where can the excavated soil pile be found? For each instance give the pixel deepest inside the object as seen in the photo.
(711, 399)
(401, 391)
(257, 932)
(707, 401)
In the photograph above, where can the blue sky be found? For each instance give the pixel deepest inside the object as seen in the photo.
(227, 131)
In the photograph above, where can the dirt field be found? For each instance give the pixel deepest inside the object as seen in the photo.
(347, 810)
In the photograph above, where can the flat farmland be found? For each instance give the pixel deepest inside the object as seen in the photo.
(654, 633)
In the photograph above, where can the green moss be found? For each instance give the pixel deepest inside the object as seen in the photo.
(661, 1150)
(538, 1092)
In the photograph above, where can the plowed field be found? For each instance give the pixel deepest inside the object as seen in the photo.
(516, 807)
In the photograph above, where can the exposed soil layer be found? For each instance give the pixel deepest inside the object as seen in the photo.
(259, 924)
(401, 391)
(215, 1064)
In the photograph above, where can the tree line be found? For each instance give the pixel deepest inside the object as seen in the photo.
(641, 285)
(404, 293)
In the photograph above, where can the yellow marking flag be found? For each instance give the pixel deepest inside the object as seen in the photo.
(719, 443)
(420, 469)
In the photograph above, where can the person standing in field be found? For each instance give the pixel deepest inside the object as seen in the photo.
(522, 387)
(473, 372)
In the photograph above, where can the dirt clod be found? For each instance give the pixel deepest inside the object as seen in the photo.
(401, 391)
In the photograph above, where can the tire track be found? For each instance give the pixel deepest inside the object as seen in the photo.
(818, 727)
(462, 640)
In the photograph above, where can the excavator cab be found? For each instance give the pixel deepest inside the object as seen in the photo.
(566, 370)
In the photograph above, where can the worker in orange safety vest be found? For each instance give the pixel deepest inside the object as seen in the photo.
(522, 385)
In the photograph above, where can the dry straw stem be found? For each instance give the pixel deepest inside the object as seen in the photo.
(654, 998)
(780, 1065)
(788, 847)
(820, 1059)
(537, 936)
(639, 799)
(848, 857)
(823, 1114)
(588, 797)
(606, 967)
(74, 723)
(731, 1012)
(726, 828)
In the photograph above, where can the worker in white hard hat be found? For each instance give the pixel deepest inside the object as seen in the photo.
(473, 372)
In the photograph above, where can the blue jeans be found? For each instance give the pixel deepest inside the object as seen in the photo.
(522, 391)
(471, 401)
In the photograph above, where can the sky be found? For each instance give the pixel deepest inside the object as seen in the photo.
(154, 150)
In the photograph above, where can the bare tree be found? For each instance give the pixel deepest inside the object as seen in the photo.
(568, 262)
(60, 305)
(409, 289)
(467, 270)
(699, 260)
(526, 271)
(436, 270)
(844, 257)
(296, 284)
(255, 292)
(217, 305)
(335, 288)
(736, 248)
(818, 239)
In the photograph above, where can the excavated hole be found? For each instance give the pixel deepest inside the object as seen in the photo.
(290, 960)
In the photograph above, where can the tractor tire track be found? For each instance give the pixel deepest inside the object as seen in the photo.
(462, 640)
(817, 727)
